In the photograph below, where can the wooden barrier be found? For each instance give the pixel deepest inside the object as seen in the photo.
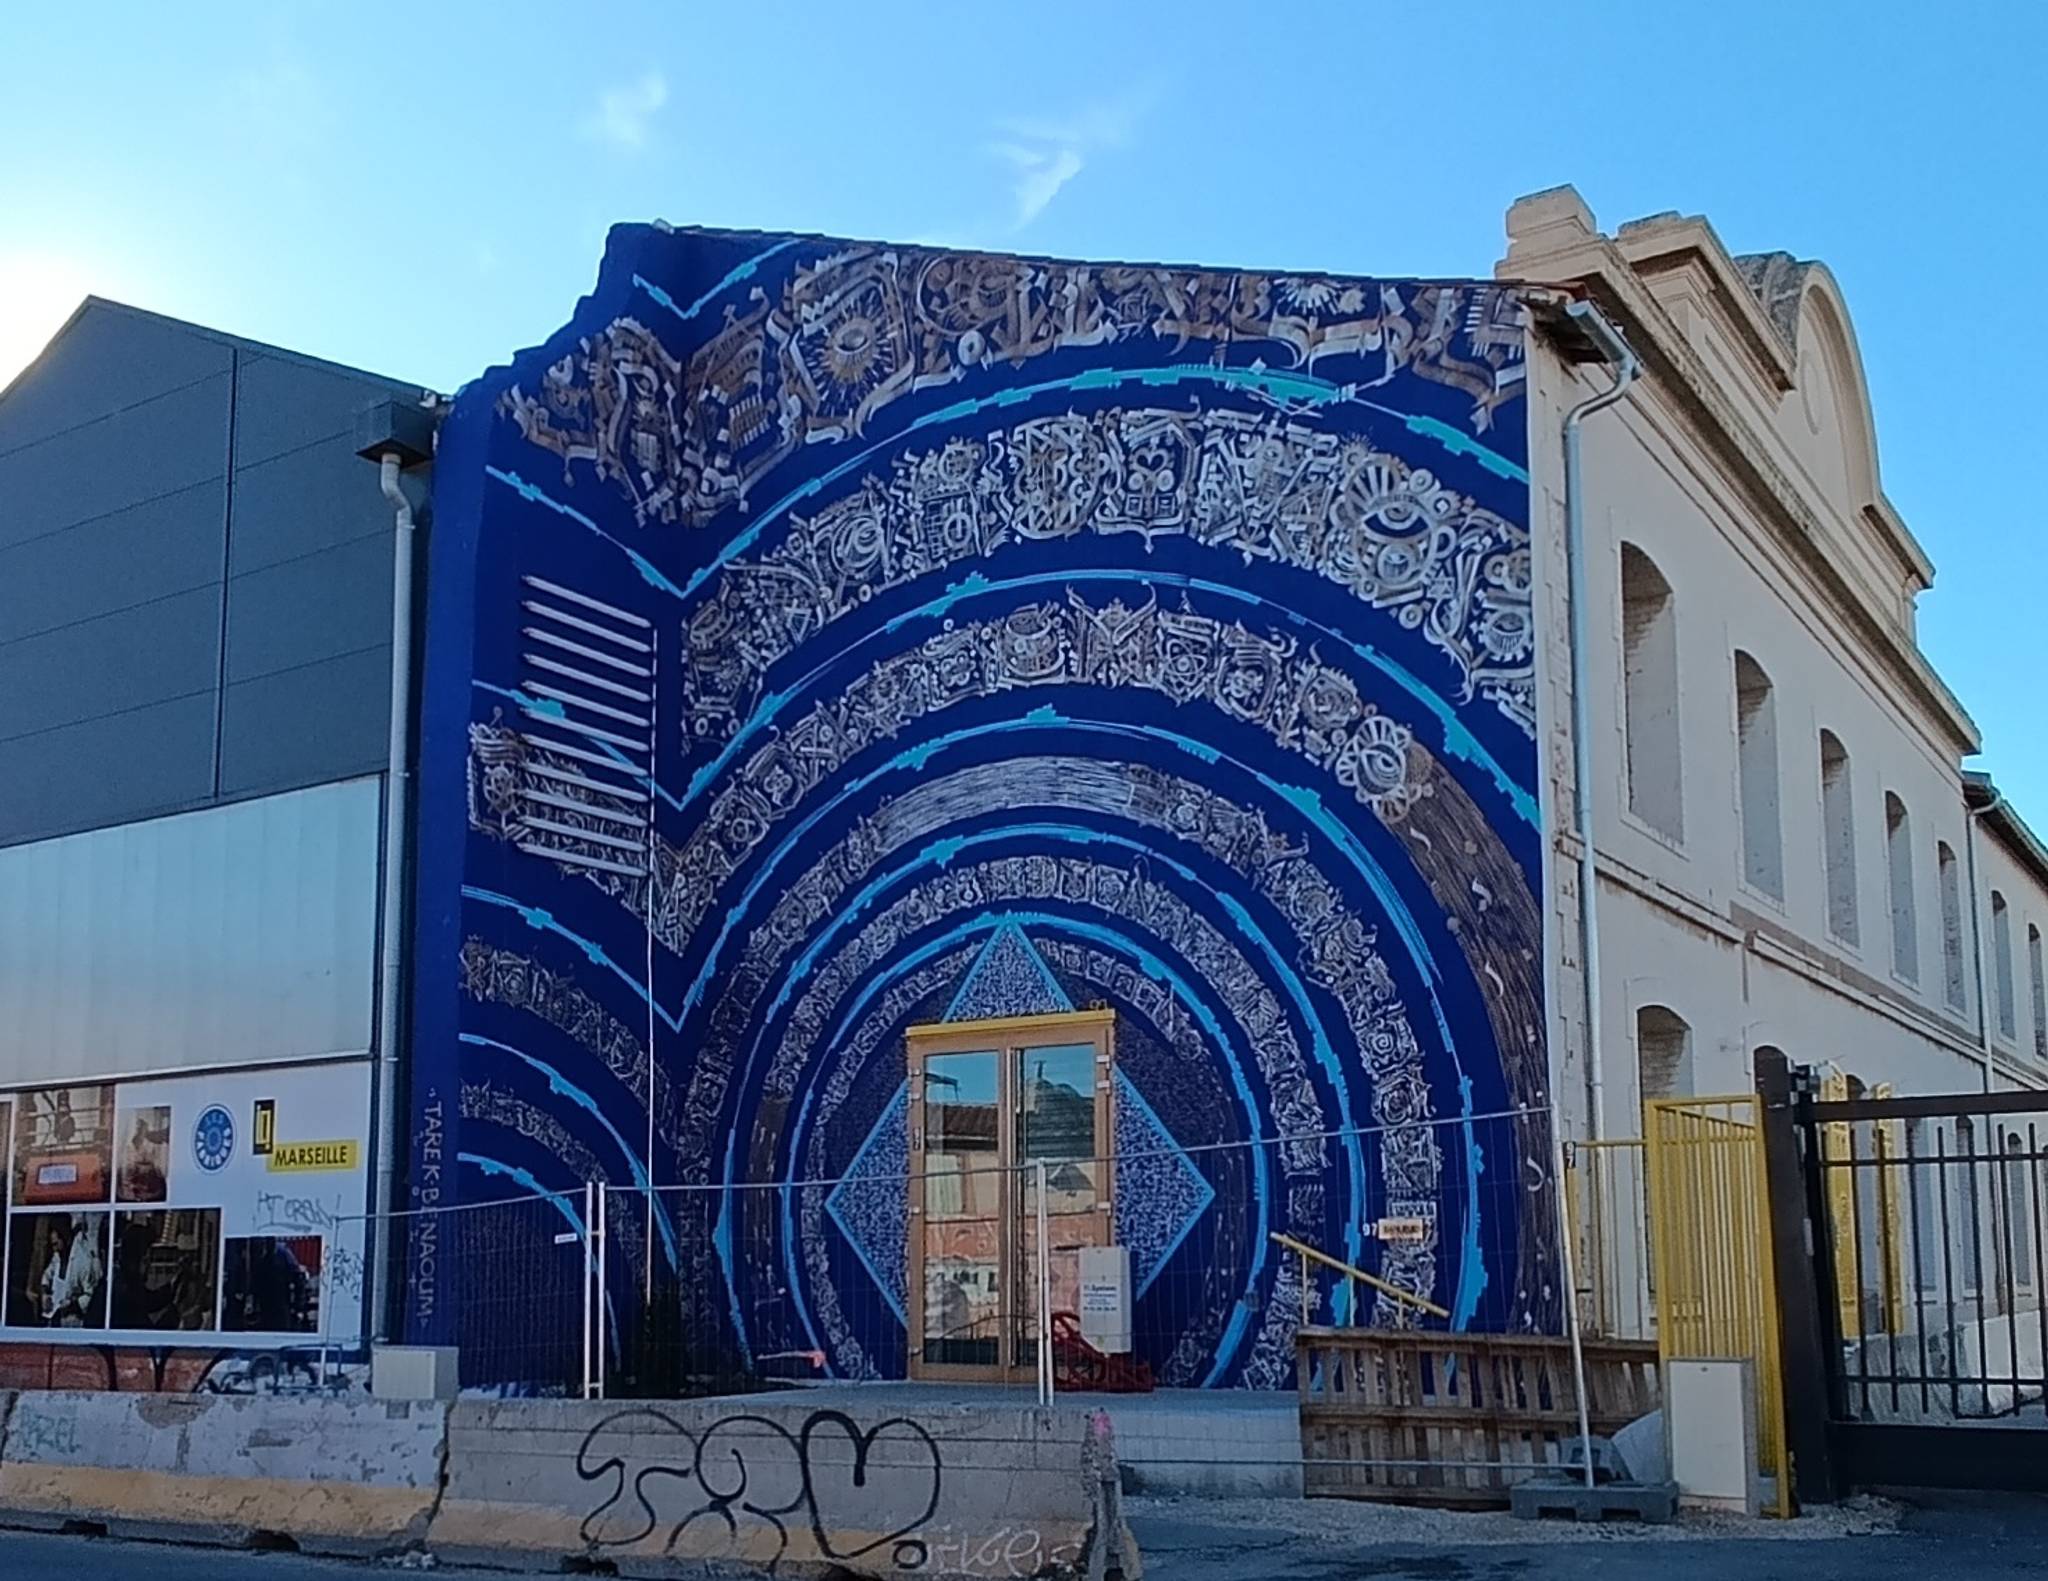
(1411, 1417)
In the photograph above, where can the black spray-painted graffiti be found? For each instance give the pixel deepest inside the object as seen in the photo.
(280, 1213)
(755, 1468)
(306, 1372)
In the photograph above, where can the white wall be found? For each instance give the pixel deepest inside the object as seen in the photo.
(2000, 869)
(1679, 926)
(242, 934)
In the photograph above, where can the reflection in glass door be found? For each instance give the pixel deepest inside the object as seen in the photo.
(1056, 1126)
(992, 1101)
(963, 1183)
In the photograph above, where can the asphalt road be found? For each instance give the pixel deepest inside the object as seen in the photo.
(1961, 1539)
(30, 1556)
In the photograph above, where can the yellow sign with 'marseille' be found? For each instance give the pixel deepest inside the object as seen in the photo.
(300, 1158)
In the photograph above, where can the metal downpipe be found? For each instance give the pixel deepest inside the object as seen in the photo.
(1970, 817)
(1623, 360)
(397, 858)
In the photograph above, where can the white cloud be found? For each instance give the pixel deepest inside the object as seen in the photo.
(1039, 175)
(1044, 153)
(1109, 124)
(625, 114)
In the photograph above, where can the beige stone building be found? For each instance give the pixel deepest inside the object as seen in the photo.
(1789, 851)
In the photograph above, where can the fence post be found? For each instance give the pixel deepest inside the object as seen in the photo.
(589, 1274)
(603, 1289)
(1568, 1281)
(1804, 1277)
(1044, 1291)
(327, 1302)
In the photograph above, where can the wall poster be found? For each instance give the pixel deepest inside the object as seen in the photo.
(202, 1206)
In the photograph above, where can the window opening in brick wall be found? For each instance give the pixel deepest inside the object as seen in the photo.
(1898, 854)
(2037, 986)
(1838, 837)
(1649, 631)
(2001, 967)
(1663, 1053)
(1951, 925)
(1756, 747)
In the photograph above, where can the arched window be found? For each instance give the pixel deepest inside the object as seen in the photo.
(1649, 638)
(1663, 1053)
(1951, 926)
(1756, 750)
(1898, 855)
(2001, 967)
(2037, 985)
(1838, 837)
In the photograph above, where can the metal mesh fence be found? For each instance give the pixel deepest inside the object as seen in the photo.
(936, 1272)
(525, 1270)
(1607, 1192)
(1183, 1267)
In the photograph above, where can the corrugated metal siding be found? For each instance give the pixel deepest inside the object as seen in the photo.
(242, 934)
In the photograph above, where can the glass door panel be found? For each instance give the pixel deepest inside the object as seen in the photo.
(1058, 1120)
(962, 1222)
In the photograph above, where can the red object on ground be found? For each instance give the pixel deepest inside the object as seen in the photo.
(1078, 1367)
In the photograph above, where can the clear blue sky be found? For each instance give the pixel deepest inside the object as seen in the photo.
(420, 189)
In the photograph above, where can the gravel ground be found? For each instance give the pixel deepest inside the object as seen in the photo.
(1349, 1524)
(1984, 1537)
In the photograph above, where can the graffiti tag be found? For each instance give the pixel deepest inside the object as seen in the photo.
(33, 1433)
(754, 1469)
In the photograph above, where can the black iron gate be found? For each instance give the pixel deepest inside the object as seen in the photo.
(1921, 1295)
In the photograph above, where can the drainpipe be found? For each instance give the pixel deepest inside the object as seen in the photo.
(397, 861)
(1970, 817)
(1615, 352)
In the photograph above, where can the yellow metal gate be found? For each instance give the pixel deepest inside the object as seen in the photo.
(1715, 1285)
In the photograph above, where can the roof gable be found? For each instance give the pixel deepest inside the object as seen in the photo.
(137, 355)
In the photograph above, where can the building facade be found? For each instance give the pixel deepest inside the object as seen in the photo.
(195, 621)
(911, 737)
(1788, 850)
(837, 648)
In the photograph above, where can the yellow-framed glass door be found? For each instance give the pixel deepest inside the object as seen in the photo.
(991, 1100)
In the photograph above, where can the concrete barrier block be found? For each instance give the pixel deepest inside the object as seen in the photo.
(355, 1477)
(667, 1488)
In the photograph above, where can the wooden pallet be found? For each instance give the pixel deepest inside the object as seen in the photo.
(1411, 1417)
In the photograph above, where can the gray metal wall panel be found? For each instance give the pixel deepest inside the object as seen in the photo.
(109, 358)
(148, 654)
(238, 935)
(286, 406)
(311, 499)
(100, 771)
(298, 727)
(319, 606)
(170, 545)
(137, 454)
(113, 459)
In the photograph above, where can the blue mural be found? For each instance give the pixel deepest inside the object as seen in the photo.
(826, 638)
